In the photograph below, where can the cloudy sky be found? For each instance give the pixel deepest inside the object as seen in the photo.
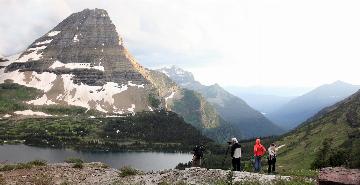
(231, 42)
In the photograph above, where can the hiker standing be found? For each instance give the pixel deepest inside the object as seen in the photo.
(259, 151)
(235, 154)
(198, 152)
(272, 158)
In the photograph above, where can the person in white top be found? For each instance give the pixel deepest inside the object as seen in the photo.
(235, 154)
(272, 150)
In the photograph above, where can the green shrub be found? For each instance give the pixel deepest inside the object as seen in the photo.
(77, 162)
(74, 160)
(154, 102)
(163, 183)
(248, 182)
(8, 167)
(328, 156)
(37, 163)
(23, 166)
(128, 171)
(182, 166)
(28, 165)
(104, 165)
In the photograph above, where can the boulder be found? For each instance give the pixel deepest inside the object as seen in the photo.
(339, 176)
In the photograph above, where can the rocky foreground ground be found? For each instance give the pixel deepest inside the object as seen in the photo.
(100, 174)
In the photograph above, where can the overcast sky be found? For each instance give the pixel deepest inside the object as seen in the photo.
(229, 42)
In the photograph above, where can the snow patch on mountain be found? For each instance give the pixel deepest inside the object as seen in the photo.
(58, 64)
(42, 81)
(165, 72)
(170, 96)
(76, 39)
(135, 85)
(31, 113)
(132, 108)
(53, 33)
(81, 95)
(42, 101)
(7, 116)
(43, 42)
(34, 55)
(85, 96)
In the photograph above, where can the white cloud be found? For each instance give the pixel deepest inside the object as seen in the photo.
(21, 22)
(281, 42)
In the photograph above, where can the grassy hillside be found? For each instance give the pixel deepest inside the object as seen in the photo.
(332, 136)
(12, 97)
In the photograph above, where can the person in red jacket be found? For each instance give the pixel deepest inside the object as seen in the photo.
(259, 151)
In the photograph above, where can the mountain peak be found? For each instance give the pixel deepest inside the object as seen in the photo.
(87, 39)
(177, 70)
(178, 74)
(82, 62)
(339, 82)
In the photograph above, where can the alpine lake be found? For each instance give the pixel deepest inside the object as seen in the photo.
(145, 161)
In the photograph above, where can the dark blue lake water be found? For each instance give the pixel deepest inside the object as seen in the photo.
(141, 160)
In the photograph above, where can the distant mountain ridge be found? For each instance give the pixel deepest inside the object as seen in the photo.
(233, 109)
(301, 108)
(338, 125)
(264, 103)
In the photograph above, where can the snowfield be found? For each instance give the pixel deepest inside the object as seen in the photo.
(31, 113)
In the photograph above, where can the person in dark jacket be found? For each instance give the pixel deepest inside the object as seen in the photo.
(235, 154)
(198, 152)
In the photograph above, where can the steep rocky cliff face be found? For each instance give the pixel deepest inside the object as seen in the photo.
(82, 62)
